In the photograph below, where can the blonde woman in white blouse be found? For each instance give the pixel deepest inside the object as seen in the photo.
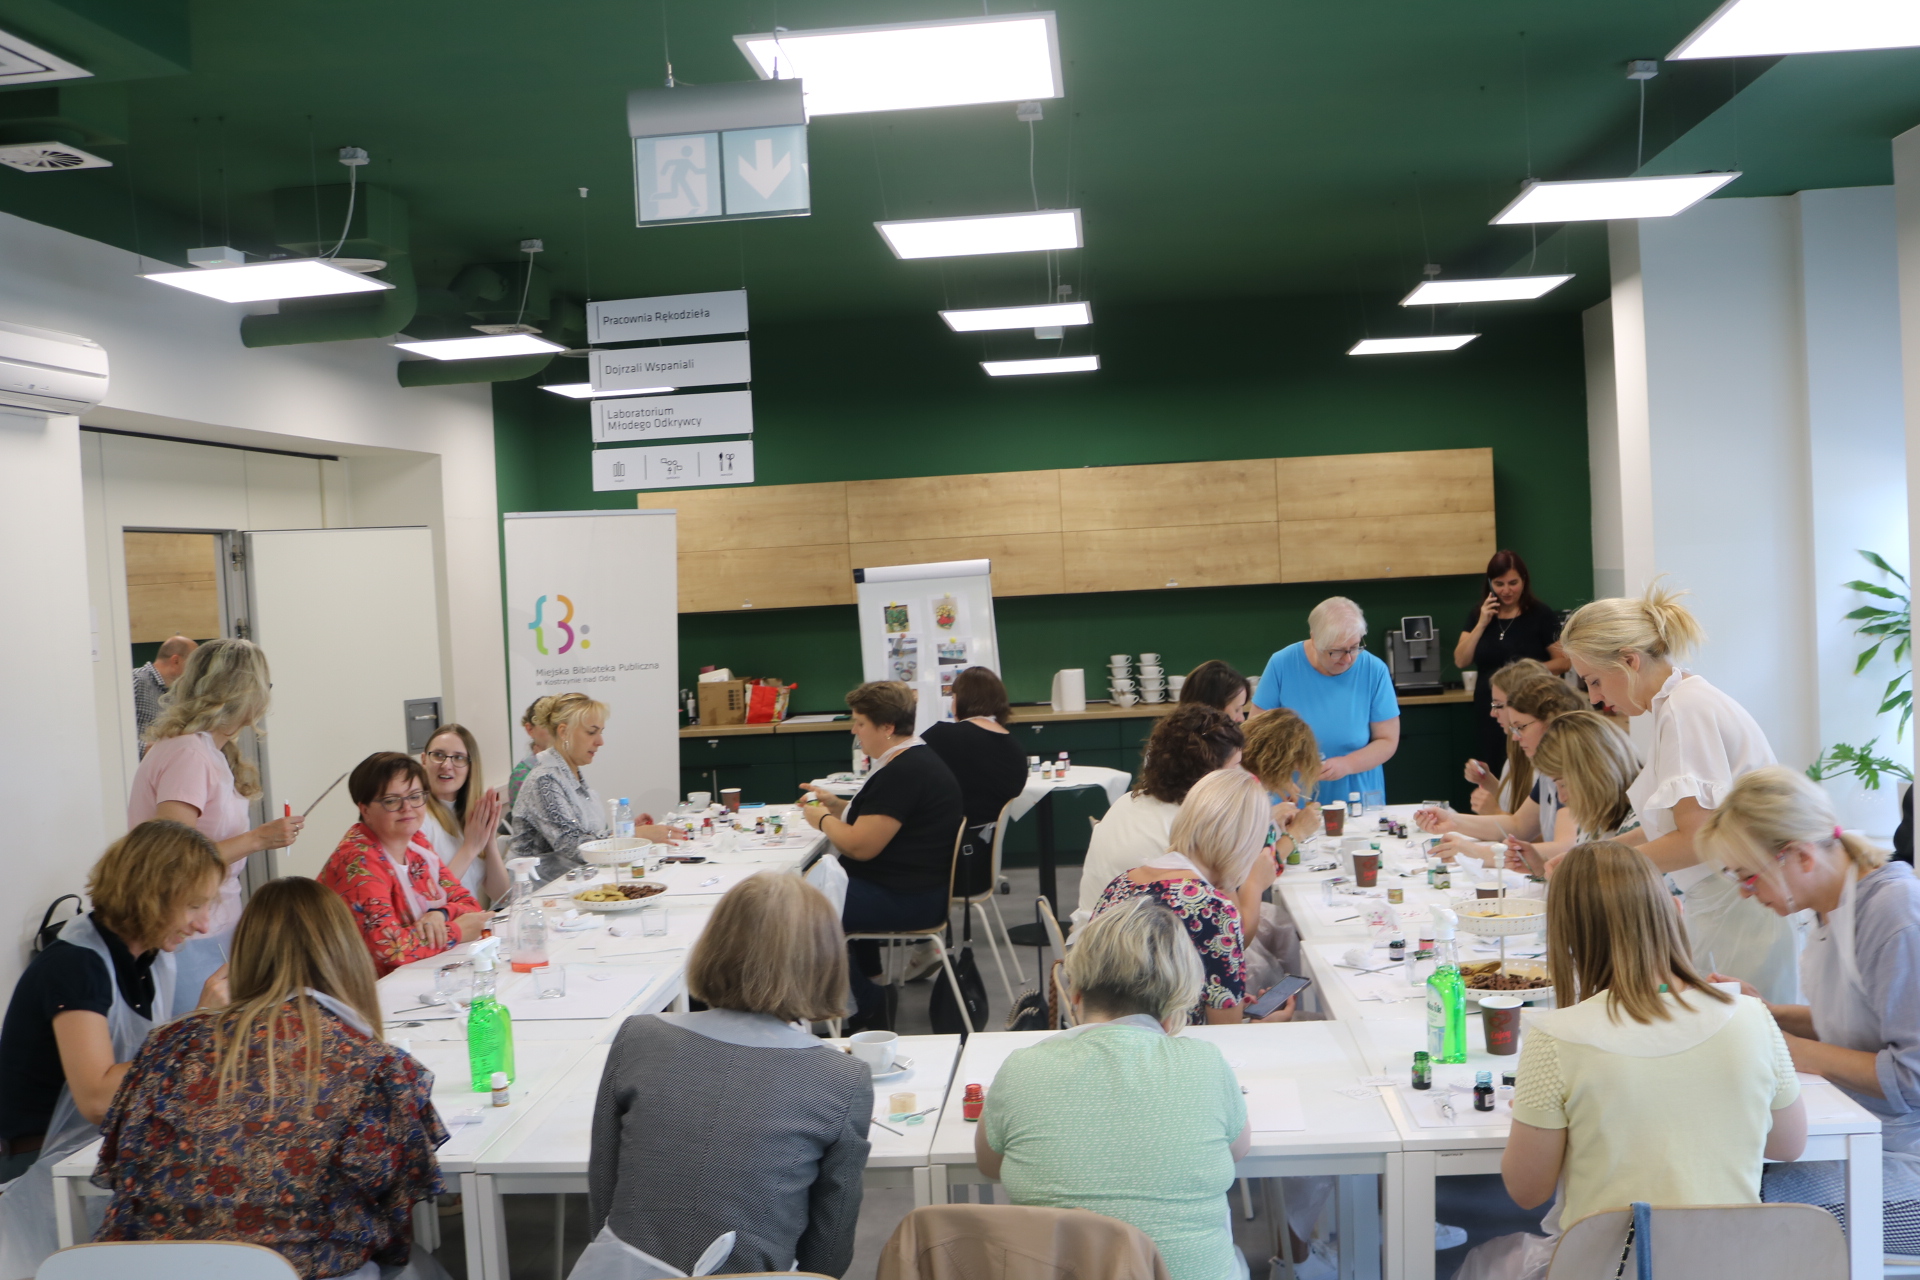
(1703, 741)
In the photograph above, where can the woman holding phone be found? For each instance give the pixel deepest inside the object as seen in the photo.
(1509, 623)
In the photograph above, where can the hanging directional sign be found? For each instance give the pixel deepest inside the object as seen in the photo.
(679, 315)
(673, 466)
(709, 153)
(634, 419)
(689, 364)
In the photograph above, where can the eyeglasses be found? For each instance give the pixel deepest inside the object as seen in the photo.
(1340, 655)
(447, 757)
(1516, 728)
(411, 800)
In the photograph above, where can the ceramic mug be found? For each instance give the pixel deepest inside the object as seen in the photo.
(699, 799)
(875, 1048)
(1152, 671)
(1121, 682)
(1118, 659)
(1176, 683)
(1153, 658)
(1125, 699)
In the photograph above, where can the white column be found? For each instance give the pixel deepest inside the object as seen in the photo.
(1906, 187)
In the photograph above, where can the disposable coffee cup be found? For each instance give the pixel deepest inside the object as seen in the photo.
(1469, 679)
(1366, 869)
(1334, 815)
(1500, 1018)
(1487, 889)
(730, 797)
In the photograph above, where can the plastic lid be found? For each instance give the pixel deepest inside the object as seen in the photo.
(624, 800)
(486, 953)
(500, 1079)
(1443, 924)
(1484, 1077)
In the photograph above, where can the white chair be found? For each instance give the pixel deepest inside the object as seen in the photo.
(1751, 1241)
(989, 896)
(1900, 1265)
(931, 933)
(167, 1260)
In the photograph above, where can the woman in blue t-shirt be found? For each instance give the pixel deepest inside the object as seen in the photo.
(1345, 695)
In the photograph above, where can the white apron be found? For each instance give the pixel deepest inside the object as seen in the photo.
(608, 1257)
(27, 1236)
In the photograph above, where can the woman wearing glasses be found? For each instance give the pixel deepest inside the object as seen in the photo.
(462, 814)
(1345, 695)
(1776, 840)
(405, 902)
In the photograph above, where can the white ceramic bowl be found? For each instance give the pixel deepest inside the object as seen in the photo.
(1501, 917)
(615, 850)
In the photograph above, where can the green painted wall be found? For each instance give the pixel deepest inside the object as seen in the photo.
(1180, 382)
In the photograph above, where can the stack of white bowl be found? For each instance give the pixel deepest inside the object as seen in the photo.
(1153, 679)
(1120, 683)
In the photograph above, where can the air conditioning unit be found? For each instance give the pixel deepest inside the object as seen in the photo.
(50, 371)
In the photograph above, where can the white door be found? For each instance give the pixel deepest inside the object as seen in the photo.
(350, 622)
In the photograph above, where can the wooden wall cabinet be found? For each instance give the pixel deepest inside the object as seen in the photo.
(1185, 524)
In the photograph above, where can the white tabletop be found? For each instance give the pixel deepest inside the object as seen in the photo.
(1112, 781)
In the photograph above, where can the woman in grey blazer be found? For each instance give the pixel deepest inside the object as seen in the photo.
(734, 1118)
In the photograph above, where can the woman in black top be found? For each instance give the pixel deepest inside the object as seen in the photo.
(1216, 684)
(987, 762)
(1509, 624)
(895, 838)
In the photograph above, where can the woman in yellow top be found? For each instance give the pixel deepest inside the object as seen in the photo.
(1646, 1083)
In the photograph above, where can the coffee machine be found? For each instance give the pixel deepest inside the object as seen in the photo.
(1413, 656)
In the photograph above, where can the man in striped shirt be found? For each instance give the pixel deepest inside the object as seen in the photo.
(150, 683)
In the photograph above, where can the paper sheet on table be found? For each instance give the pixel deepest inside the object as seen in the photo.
(400, 991)
(682, 880)
(593, 991)
(1424, 1106)
(1273, 1104)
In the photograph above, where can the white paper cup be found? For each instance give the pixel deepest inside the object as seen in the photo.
(875, 1048)
(1470, 679)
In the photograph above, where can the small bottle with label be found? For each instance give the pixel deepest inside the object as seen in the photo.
(973, 1102)
(1355, 806)
(1061, 766)
(1422, 1069)
(623, 818)
(502, 1094)
(1397, 950)
(1483, 1091)
(1504, 1092)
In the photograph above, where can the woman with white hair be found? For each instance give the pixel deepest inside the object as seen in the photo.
(1625, 651)
(1120, 1115)
(1345, 695)
(1776, 839)
(1216, 852)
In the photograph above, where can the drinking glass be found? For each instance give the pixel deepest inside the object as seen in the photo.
(550, 980)
(653, 921)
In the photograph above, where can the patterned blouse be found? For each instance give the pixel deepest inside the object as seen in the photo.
(363, 877)
(1212, 921)
(328, 1188)
(555, 813)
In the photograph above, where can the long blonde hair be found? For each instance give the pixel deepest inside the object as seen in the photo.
(454, 820)
(295, 934)
(224, 688)
(1545, 700)
(1656, 625)
(1766, 811)
(1594, 762)
(1222, 826)
(1612, 926)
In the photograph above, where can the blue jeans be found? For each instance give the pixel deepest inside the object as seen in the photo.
(871, 907)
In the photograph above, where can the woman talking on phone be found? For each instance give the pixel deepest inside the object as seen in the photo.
(1509, 623)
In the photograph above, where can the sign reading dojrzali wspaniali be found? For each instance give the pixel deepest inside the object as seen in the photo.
(671, 417)
(693, 364)
(679, 315)
(673, 466)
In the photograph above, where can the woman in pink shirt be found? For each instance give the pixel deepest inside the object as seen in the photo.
(193, 774)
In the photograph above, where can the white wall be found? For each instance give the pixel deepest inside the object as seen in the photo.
(1755, 344)
(412, 456)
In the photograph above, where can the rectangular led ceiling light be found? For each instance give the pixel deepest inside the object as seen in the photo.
(585, 391)
(1437, 293)
(1604, 199)
(1764, 28)
(993, 233)
(951, 63)
(271, 281)
(493, 344)
(1058, 364)
(1063, 313)
(1402, 346)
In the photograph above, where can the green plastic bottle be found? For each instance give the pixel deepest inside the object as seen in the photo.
(489, 1025)
(1446, 994)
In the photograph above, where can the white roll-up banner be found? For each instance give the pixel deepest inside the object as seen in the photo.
(593, 606)
(923, 624)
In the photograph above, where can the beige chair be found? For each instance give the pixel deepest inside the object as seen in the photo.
(1017, 1242)
(932, 933)
(1738, 1242)
(1056, 943)
(167, 1260)
(990, 898)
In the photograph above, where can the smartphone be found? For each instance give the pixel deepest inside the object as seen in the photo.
(683, 857)
(1277, 995)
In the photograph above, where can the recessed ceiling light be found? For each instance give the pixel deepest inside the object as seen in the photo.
(270, 281)
(1604, 199)
(1401, 346)
(504, 344)
(951, 63)
(1434, 293)
(993, 233)
(1059, 364)
(1765, 28)
(1059, 313)
(585, 391)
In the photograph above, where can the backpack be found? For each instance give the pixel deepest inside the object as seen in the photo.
(49, 931)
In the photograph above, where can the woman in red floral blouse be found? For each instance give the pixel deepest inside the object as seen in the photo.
(283, 1119)
(407, 905)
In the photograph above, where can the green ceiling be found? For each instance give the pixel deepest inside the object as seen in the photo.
(1252, 148)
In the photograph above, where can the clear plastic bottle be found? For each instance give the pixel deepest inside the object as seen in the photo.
(489, 1025)
(1446, 994)
(623, 818)
(527, 920)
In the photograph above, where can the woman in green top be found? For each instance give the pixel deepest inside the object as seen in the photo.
(1119, 1115)
(539, 738)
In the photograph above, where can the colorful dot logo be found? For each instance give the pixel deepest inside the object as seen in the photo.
(564, 625)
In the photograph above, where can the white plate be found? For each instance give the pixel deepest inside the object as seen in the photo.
(630, 904)
(901, 1065)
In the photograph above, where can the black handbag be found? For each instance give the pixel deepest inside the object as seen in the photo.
(943, 1011)
(49, 931)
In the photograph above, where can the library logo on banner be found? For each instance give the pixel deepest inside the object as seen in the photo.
(676, 466)
(562, 626)
(630, 420)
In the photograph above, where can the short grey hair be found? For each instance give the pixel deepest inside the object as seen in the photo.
(1334, 619)
(1136, 957)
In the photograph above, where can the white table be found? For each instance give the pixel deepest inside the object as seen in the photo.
(1352, 1138)
(547, 1151)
